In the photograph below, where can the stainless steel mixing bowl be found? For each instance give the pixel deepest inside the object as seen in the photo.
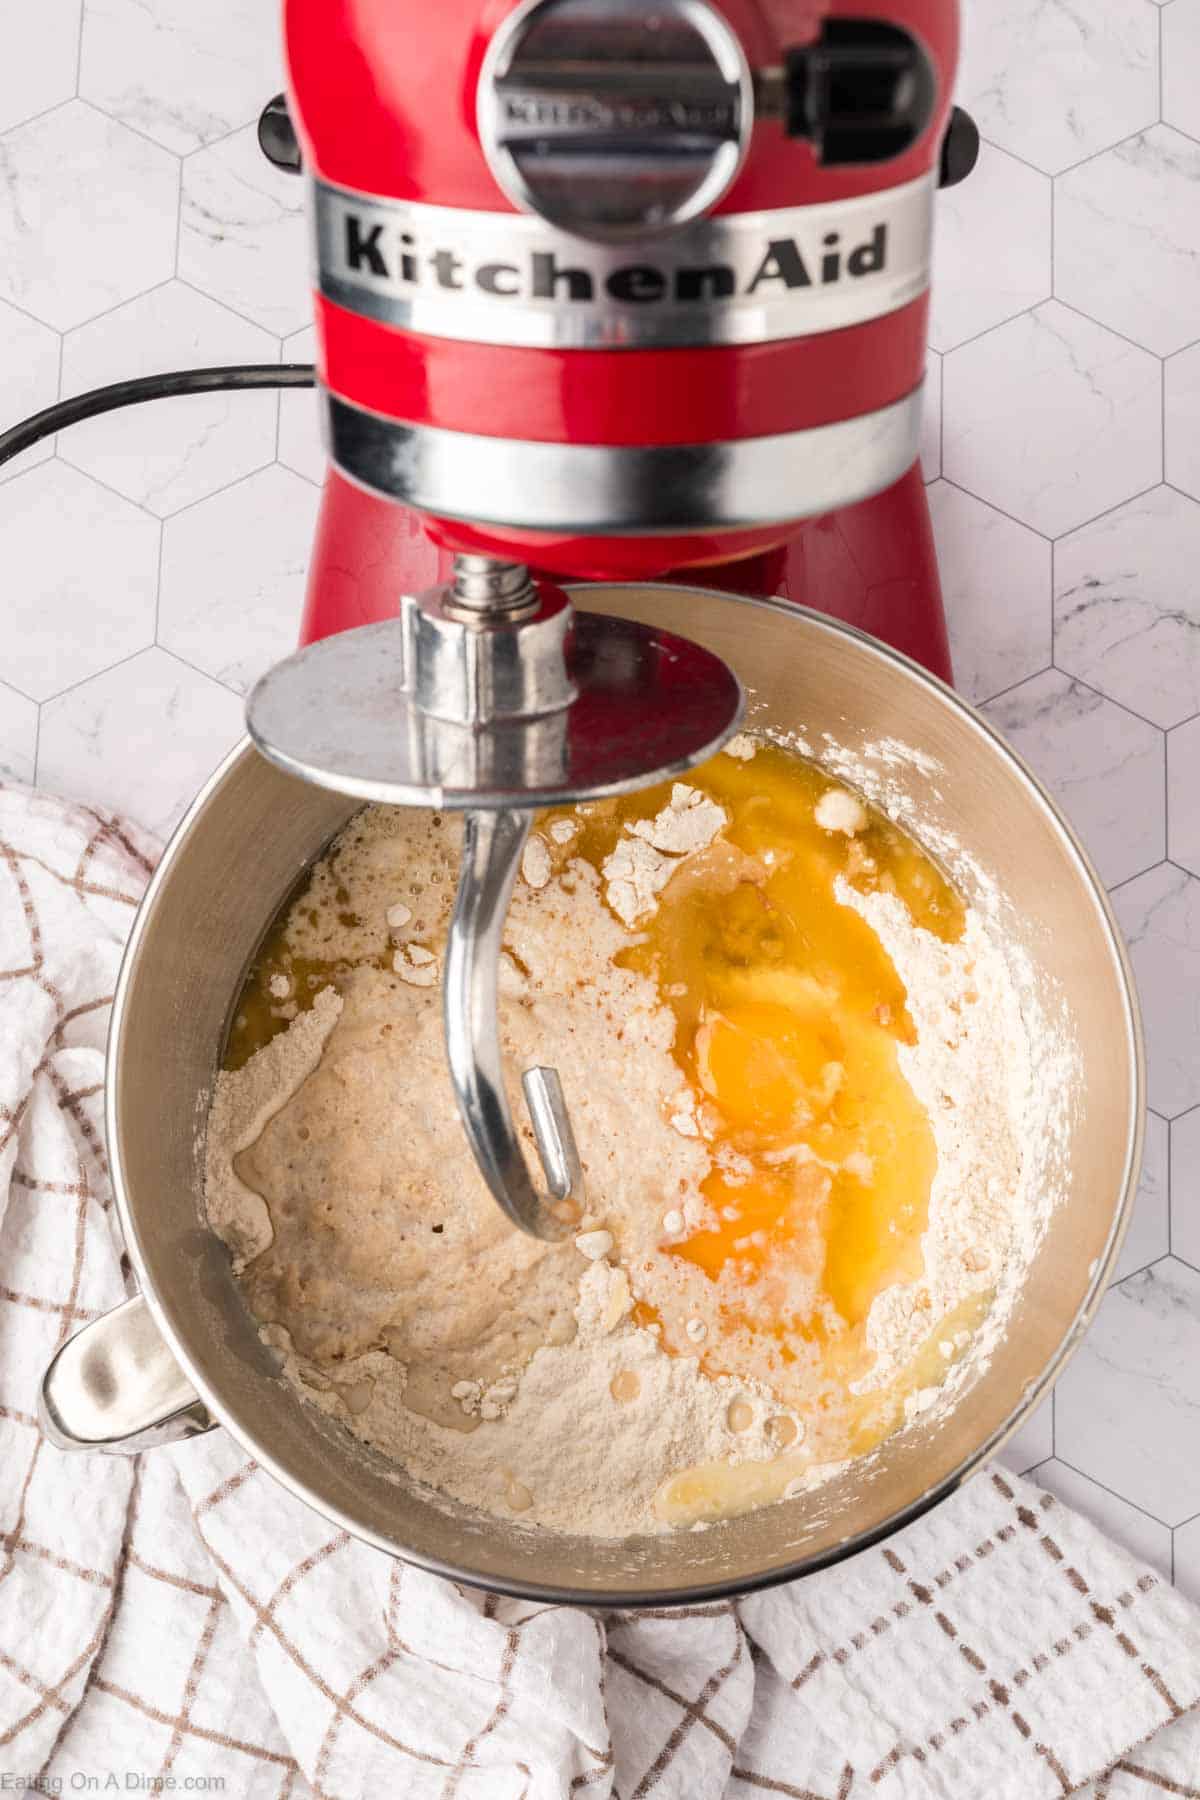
(186, 1352)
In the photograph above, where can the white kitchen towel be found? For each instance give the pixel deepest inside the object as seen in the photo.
(180, 1624)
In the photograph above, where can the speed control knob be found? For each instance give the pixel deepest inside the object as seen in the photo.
(863, 92)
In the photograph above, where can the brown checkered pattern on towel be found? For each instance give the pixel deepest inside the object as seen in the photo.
(180, 1619)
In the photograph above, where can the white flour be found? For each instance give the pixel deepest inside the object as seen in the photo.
(970, 1070)
(509, 1374)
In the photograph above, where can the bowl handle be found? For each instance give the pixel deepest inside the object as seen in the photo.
(115, 1386)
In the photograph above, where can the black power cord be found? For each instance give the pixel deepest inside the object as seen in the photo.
(149, 387)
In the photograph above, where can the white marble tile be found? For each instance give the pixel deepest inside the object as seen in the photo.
(183, 74)
(996, 586)
(1034, 1442)
(29, 355)
(1128, 1404)
(1187, 1572)
(37, 69)
(1185, 1187)
(233, 576)
(1149, 1233)
(1055, 82)
(168, 453)
(88, 215)
(141, 738)
(1103, 766)
(18, 735)
(1127, 239)
(991, 248)
(300, 446)
(1159, 913)
(242, 234)
(1181, 65)
(1181, 394)
(1183, 795)
(80, 575)
(1127, 605)
(1149, 1540)
(1051, 418)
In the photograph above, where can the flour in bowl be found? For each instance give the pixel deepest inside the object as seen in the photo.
(767, 1280)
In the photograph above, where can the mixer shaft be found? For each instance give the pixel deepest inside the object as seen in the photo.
(492, 846)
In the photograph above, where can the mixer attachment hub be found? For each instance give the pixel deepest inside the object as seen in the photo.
(478, 658)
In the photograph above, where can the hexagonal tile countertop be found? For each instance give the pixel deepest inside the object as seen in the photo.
(154, 559)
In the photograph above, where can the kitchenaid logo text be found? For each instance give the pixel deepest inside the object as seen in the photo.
(510, 279)
(781, 266)
(550, 112)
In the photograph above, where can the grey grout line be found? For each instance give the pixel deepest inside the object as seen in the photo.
(941, 474)
(37, 741)
(1004, 150)
(1004, 513)
(205, 674)
(1164, 862)
(87, 475)
(107, 311)
(1014, 686)
(202, 499)
(1142, 1269)
(1128, 880)
(102, 112)
(162, 538)
(996, 325)
(95, 674)
(1103, 325)
(1103, 1485)
(1053, 599)
(1116, 506)
(1166, 792)
(1136, 876)
(1170, 1194)
(79, 46)
(33, 317)
(44, 113)
(270, 330)
(1053, 241)
(1105, 149)
(211, 143)
(32, 698)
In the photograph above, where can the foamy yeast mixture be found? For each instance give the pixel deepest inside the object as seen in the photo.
(797, 1070)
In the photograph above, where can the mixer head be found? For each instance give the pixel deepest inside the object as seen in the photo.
(605, 288)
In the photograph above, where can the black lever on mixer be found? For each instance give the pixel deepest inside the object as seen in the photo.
(863, 92)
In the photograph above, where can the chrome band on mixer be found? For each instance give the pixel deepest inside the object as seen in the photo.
(624, 490)
(739, 278)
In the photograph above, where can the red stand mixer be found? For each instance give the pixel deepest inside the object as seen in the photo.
(643, 294)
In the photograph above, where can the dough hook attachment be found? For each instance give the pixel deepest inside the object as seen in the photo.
(492, 847)
(492, 696)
